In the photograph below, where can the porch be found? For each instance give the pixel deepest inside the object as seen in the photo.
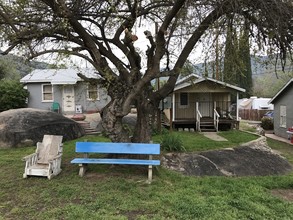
(205, 116)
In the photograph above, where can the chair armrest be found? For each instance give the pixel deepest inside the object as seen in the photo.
(28, 157)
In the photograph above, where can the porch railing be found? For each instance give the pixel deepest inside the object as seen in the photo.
(216, 120)
(189, 112)
(198, 117)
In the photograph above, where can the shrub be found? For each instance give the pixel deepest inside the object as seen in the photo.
(172, 142)
(13, 95)
(267, 123)
(163, 131)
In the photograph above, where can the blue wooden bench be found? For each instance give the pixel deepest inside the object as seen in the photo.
(116, 148)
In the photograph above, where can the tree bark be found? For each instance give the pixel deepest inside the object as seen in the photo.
(112, 123)
(143, 127)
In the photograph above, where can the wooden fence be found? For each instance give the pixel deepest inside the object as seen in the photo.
(251, 114)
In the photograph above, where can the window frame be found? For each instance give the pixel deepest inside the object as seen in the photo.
(47, 92)
(283, 115)
(90, 91)
(182, 105)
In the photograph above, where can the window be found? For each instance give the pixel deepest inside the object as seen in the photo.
(283, 116)
(93, 92)
(183, 99)
(47, 93)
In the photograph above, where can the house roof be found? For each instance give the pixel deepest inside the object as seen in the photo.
(194, 79)
(58, 76)
(281, 91)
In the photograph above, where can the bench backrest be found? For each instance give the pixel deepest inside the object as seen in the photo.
(117, 148)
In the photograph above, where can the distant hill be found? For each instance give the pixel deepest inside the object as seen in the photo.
(20, 64)
(260, 65)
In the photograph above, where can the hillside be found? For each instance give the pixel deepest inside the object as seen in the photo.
(19, 65)
(260, 65)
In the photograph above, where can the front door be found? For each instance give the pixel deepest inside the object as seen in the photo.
(68, 99)
(205, 105)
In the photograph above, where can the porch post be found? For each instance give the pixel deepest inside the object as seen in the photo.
(173, 107)
(197, 117)
(215, 105)
(237, 100)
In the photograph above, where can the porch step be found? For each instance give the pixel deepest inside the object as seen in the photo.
(207, 126)
(87, 128)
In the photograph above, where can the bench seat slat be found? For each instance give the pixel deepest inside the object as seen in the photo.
(117, 148)
(115, 161)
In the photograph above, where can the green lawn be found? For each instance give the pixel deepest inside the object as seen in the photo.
(121, 192)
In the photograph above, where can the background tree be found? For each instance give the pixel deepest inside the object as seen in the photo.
(104, 34)
(231, 60)
(13, 95)
(245, 72)
(8, 70)
(237, 61)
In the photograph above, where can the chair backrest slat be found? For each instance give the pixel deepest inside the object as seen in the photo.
(49, 148)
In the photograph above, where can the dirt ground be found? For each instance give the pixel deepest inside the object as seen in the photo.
(286, 194)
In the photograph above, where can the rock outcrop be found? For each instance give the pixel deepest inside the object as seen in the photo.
(254, 158)
(26, 126)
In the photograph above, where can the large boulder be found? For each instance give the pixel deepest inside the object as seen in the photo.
(254, 158)
(26, 126)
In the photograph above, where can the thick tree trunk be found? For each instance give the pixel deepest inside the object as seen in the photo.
(113, 113)
(144, 123)
(112, 123)
(142, 131)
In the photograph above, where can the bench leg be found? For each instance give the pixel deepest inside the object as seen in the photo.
(150, 173)
(82, 169)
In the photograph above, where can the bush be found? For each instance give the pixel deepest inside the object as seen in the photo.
(13, 95)
(163, 131)
(172, 142)
(267, 123)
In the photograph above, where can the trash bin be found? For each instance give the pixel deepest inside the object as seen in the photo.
(78, 109)
(290, 134)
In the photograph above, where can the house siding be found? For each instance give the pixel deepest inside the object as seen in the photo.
(206, 93)
(35, 96)
(90, 105)
(80, 90)
(284, 100)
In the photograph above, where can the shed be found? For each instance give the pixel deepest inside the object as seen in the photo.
(283, 109)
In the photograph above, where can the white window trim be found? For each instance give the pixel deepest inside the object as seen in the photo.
(48, 84)
(283, 115)
(98, 94)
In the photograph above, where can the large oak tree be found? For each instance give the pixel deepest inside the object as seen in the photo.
(103, 33)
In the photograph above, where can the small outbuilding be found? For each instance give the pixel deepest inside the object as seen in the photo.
(283, 110)
(204, 104)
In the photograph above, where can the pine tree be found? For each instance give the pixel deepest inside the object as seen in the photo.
(245, 76)
(237, 61)
(230, 54)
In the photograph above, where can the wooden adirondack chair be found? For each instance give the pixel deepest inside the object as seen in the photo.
(46, 161)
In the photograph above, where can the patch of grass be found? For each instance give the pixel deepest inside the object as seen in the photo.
(285, 149)
(195, 142)
(245, 126)
(121, 192)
